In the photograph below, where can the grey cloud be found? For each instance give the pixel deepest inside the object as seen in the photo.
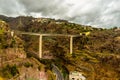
(11, 8)
(101, 13)
(45, 7)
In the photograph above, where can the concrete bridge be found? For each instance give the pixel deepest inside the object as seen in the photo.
(41, 35)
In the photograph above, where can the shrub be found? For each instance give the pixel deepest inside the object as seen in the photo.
(27, 64)
(10, 71)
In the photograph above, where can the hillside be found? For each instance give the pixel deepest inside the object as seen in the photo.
(14, 63)
(96, 55)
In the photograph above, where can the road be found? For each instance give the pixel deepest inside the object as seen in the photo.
(56, 70)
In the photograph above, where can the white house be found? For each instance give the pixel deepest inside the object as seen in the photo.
(12, 33)
(74, 75)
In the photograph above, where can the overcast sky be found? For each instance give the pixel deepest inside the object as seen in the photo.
(99, 13)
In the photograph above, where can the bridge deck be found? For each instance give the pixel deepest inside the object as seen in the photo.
(47, 34)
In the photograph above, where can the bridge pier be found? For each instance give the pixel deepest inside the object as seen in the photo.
(40, 46)
(71, 44)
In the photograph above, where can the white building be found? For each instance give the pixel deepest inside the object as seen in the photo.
(12, 33)
(74, 75)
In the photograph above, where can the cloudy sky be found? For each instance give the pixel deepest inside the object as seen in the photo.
(98, 13)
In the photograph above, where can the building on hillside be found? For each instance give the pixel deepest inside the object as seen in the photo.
(12, 33)
(117, 29)
(40, 20)
(74, 75)
(85, 33)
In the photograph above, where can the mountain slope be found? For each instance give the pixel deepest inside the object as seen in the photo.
(96, 55)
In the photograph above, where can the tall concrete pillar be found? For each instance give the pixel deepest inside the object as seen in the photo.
(40, 46)
(71, 44)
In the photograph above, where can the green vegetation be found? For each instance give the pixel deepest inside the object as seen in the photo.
(9, 71)
(31, 79)
(27, 64)
(48, 64)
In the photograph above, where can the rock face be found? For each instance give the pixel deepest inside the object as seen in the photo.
(14, 64)
(10, 46)
(11, 50)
